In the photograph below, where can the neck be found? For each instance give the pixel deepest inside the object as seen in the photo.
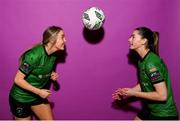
(49, 49)
(142, 52)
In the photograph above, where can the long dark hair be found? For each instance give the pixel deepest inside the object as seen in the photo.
(152, 37)
(49, 34)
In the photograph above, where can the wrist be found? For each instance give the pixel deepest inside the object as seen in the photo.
(37, 91)
(135, 94)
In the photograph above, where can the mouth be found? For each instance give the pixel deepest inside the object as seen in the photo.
(62, 46)
(130, 44)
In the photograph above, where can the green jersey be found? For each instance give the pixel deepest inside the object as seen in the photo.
(152, 71)
(37, 65)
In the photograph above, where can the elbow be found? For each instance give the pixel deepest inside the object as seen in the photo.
(163, 97)
(17, 80)
(19, 77)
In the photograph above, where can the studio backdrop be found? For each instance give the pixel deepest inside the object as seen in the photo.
(96, 63)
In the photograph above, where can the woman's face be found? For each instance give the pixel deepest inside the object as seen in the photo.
(60, 42)
(135, 40)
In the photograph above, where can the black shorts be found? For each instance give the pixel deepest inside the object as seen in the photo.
(23, 110)
(144, 114)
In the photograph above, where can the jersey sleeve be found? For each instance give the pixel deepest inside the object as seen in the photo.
(154, 72)
(28, 62)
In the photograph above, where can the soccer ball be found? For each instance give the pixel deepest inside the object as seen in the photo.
(93, 18)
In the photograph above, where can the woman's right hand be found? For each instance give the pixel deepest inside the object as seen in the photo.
(44, 93)
(117, 95)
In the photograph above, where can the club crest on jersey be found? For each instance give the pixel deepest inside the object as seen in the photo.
(155, 75)
(19, 111)
(26, 67)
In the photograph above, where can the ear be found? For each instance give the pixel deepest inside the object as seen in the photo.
(144, 41)
(52, 41)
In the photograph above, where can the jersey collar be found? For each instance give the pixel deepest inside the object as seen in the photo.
(45, 50)
(145, 56)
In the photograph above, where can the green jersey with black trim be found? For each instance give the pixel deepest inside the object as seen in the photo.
(152, 70)
(37, 65)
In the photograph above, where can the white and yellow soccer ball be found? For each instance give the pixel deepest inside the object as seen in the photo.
(93, 18)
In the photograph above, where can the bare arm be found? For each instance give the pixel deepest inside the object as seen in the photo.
(137, 88)
(118, 94)
(20, 81)
(160, 93)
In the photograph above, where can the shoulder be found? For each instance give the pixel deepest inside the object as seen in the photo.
(153, 60)
(153, 57)
(34, 53)
(36, 50)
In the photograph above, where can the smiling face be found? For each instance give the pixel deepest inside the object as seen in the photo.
(136, 41)
(60, 42)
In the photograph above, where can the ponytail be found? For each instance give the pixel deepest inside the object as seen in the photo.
(156, 42)
(152, 37)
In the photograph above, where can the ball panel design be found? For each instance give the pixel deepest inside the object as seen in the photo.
(93, 18)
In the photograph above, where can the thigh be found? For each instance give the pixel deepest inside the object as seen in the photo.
(137, 118)
(43, 111)
(23, 119)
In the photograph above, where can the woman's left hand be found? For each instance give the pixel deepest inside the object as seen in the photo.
(128, 92)
(54, 76)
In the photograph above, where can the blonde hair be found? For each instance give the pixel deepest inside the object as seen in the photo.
(156, 42)
(48, 35)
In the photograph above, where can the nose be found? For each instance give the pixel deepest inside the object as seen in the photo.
(64, 40)
(129, 39)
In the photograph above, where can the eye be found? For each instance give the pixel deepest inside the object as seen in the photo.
(132, 36)
(63, 37)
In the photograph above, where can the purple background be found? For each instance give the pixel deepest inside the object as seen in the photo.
(92, 72)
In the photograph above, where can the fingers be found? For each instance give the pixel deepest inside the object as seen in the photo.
(120, 93)
(123, 91)
(49, 91)
(54, 76)
(45, 93)
(127, 92)
(116, 97)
